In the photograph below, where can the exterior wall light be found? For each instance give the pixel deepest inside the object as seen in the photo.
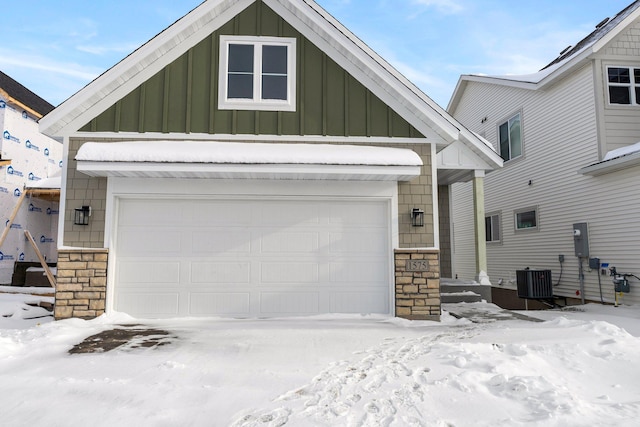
(417, 217)
(82, 215)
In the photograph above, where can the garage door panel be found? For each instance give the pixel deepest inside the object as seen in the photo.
(219, 303)
(285, 272)
(363, 241)
(358, 272)
(222, 213)
(217, 241)
(149, 304)
(149, 241)
(220, 273)
(276, 241)
(289, 213)
(360, 302)
(249, 258)
(353, 214)
(289, 303)
(159, 273)
(158, 212)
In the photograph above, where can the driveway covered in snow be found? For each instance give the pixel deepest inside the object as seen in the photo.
(351, 371)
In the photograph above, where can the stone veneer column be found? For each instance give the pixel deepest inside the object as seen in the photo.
(417, 273)
(81, 283)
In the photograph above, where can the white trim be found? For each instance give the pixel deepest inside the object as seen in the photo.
(252, 138)
(241, 171)
(257, 103)
(119, 188)
(435, 202)
(63, 192)
(613, 165)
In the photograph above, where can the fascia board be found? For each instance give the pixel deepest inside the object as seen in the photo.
(364, 64)
(140, 65)
(612, 165)
(249, 171)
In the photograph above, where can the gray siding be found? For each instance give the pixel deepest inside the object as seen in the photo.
(560, 137)
(620, 123)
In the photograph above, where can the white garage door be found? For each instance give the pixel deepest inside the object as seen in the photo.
(247, 258)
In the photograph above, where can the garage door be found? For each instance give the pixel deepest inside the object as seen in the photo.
(251, 258)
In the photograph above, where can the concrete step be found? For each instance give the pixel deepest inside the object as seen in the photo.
(456, 286)
(457, 297)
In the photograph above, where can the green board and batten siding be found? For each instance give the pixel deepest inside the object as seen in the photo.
(183, 97)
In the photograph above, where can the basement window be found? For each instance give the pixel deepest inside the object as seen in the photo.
(257, 73)
(526, 219)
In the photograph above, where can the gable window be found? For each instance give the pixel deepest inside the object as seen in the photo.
(257, 73)
(492, 228)
(624, 85)
(510, 134)
(526, 219)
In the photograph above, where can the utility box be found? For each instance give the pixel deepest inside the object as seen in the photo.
(581, 239)
(534, 284)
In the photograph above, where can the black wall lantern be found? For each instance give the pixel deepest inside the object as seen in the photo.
(82, 215)
(417, 217)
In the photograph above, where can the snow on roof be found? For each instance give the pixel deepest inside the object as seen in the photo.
(620, 152)
(53, 182)
(245, 153)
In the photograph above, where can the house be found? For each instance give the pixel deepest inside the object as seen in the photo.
(28, 162)
(567, 198)
(255, 159)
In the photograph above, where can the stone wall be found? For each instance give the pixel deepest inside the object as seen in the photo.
(81, 283)
(417, 275)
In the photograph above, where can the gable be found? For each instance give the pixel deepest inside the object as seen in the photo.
(183, 97)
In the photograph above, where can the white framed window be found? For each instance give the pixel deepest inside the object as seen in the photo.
(526, 219)
(623, 85)
(492, 227)
(510, 138)
(257, 73)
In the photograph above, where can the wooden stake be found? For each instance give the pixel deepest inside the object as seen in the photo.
(43, 262)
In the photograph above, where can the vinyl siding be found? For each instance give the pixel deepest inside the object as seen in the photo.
(560, 136)
(621, 122)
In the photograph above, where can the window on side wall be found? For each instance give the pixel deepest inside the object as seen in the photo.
(510, 135)
(526, 219)
(623, 85)
(492, 228)
(257, 73)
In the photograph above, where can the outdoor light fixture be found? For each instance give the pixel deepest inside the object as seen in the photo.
(82, 215)
(417, 217)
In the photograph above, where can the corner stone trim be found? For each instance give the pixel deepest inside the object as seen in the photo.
(81, 287)
(418, 292)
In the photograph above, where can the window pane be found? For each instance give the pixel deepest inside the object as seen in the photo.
(274, 87)
(514, 136)
(495, 228)
(240, 86)
(619, 95)
(240, 58)
(487, 229)
(274, 60)
(636, 75)
(619, 75)
(504, 141)
(526, 220)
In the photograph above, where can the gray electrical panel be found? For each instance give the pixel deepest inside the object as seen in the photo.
(581, 239)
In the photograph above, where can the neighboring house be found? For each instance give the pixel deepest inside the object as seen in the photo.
(27, 160)
(254, 159)
(568, 135)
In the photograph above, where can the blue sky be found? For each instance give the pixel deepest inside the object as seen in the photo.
(55, 47)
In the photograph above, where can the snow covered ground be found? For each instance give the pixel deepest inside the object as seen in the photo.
(578, 368)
